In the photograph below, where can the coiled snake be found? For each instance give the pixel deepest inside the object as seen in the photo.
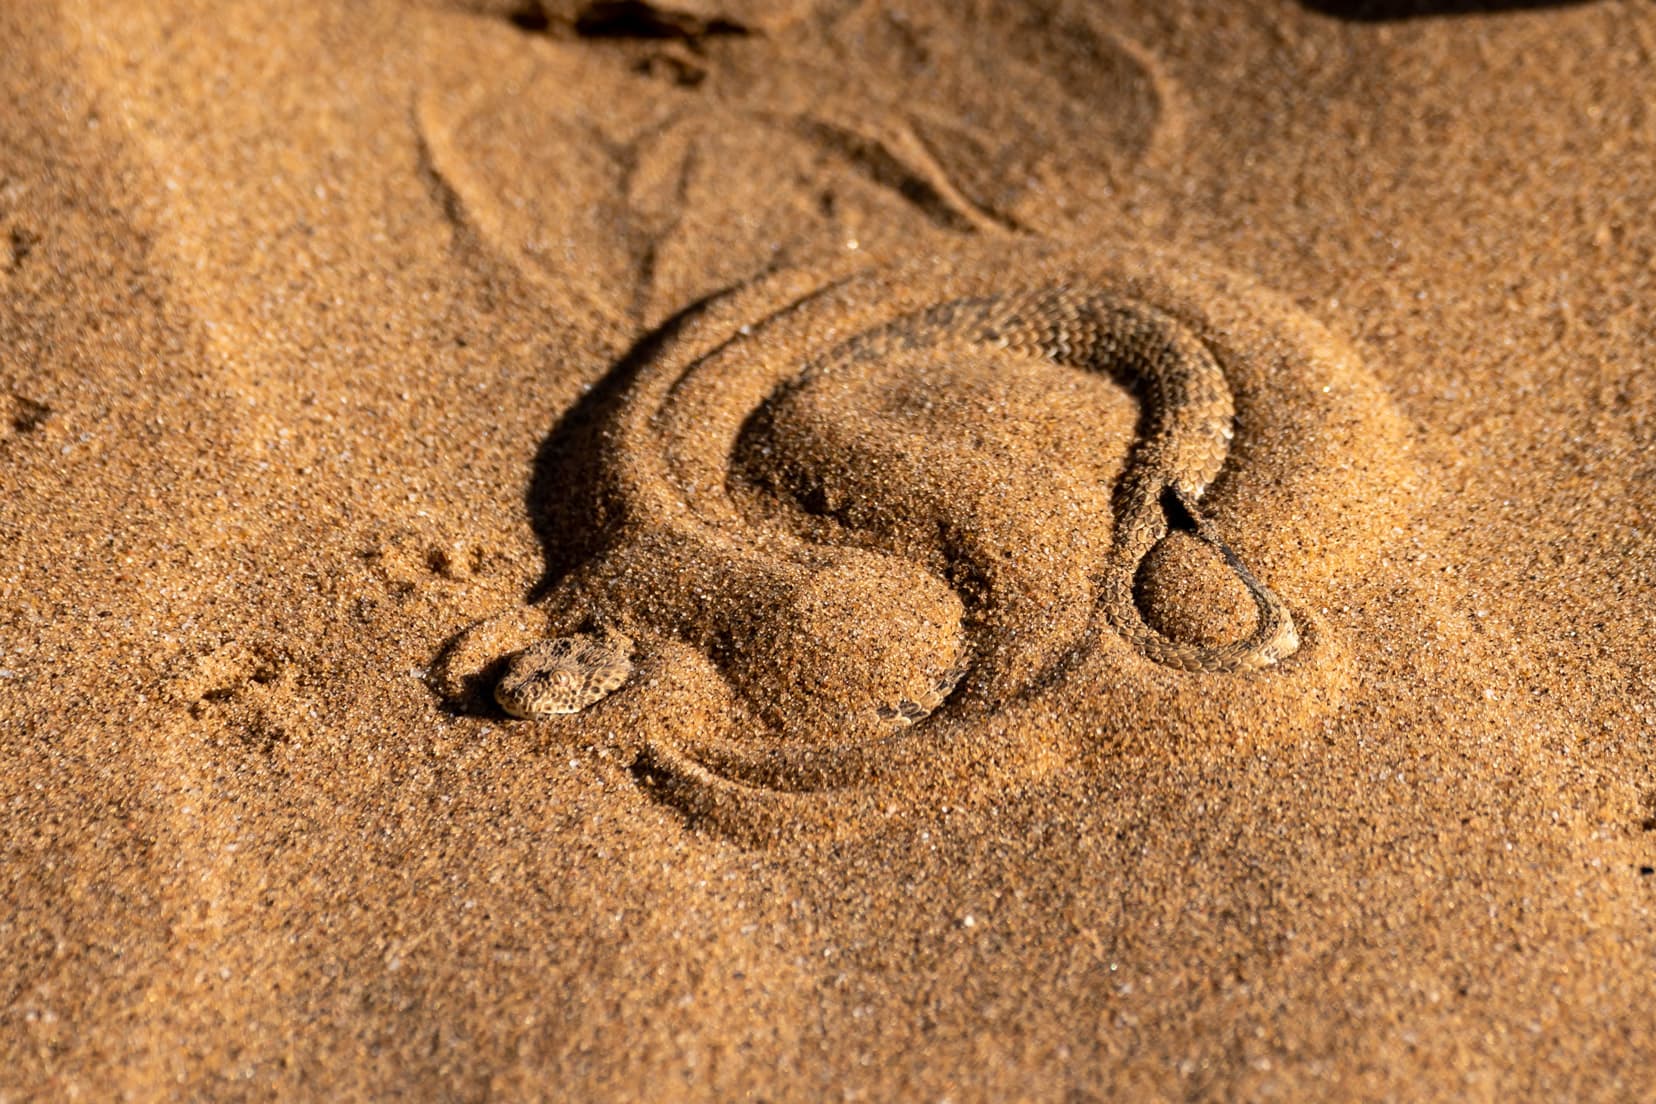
(1186, 428)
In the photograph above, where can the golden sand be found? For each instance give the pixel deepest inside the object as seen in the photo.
(346, 348)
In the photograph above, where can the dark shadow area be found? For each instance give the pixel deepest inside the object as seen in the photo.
(27, 415)
(1379, 11)
(636, 19)
(572, 502)
(530, 18)
(471, 695)
(656, 781)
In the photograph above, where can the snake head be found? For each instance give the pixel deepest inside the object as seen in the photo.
(563, 675)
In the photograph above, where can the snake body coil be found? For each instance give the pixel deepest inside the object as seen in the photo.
(1185, 435)
(673, 481)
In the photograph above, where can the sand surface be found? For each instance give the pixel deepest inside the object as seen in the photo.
(346, 348)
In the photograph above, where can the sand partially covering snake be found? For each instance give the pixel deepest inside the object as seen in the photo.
(564, 674)
(1186, 427)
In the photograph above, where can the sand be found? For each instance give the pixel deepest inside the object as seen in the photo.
(346, 348)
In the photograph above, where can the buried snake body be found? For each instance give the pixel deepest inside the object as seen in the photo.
(1186, 427)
